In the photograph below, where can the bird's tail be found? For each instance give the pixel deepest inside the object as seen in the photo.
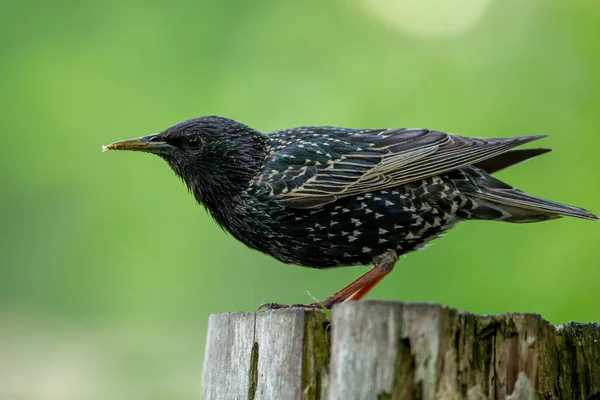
(508, 159)
(519, 207)
(497, 200)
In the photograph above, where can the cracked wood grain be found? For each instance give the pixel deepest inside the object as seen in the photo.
(389, 350)
(265, 355)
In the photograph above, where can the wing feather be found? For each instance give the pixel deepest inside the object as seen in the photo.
(356, 162)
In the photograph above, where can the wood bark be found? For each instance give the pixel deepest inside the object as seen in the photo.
(390, 350)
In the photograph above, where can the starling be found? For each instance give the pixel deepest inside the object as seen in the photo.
(322, 196)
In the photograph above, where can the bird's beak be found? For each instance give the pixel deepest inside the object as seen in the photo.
(150, 144)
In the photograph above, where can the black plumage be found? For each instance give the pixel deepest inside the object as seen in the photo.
(326, 196)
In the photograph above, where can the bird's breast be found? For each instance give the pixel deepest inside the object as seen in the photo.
(353, 230)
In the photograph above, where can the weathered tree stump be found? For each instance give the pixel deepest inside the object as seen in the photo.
(388, 350)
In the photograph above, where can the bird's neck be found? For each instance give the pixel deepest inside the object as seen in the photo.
(228, 206)
(221, 180)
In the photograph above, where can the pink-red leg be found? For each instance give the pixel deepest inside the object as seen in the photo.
(382, 265)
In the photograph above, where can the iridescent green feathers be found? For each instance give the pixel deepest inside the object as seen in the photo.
(315, 166)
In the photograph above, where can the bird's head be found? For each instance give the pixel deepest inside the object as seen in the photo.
(216, 157)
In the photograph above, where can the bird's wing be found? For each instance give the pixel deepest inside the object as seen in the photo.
(310, 167)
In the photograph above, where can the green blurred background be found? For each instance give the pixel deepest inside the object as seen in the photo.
(109, 270)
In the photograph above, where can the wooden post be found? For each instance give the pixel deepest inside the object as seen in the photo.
(389, 350)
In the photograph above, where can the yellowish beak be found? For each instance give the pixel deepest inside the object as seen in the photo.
(149, 144)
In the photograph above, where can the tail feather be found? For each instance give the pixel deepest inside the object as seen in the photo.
(509, 159)
(497, 200)
(521, 207)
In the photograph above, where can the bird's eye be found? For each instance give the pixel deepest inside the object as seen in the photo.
(193, 142)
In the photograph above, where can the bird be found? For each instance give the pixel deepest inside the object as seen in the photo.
(326, 196)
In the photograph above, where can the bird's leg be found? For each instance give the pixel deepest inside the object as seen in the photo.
(382, 265)
(362, 292)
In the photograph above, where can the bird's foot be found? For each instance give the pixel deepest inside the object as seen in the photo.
(278, 306)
